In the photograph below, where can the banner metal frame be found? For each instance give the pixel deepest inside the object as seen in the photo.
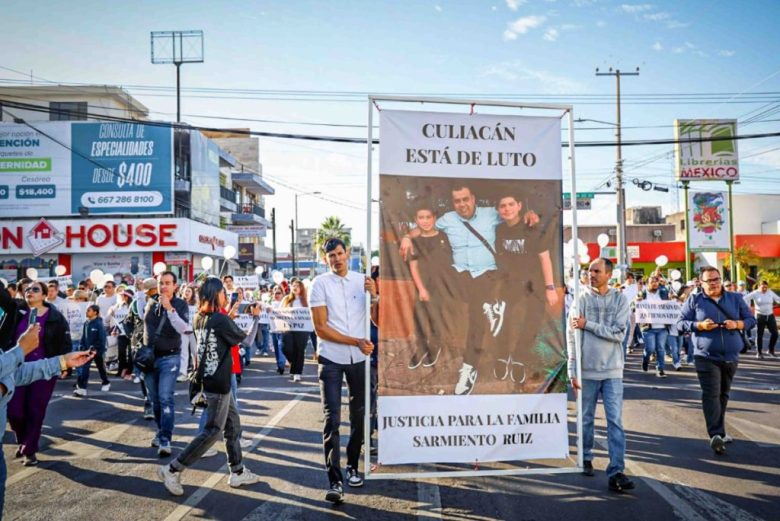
(369, 474)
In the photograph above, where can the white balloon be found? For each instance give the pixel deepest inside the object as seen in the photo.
(306, 283)
(60, 270)
(206, 263)
(259, 270)
(229, 252)
(602, 239)
(375, 261)
(584, 259)
(661, 261)
(96, 276)
(616, 273)
(676, 285)
(676, 275)
(277, 276)
(108, 277)
(159, 267)
(32, 273)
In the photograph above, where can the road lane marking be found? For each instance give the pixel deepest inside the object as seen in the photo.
(747, 428)
(197, 496)
(79, 448)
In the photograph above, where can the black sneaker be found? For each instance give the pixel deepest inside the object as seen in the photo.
(148, 412)
(335, 494)
(718, 444)
(660, 373)
(354, 479)
(30, 461)
(431, 359)
(645, 362)
(587, 468)
(620, 482)
(418, 357)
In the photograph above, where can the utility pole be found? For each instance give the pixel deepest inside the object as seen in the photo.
(292, 245)
(273, 232)
(622, 248)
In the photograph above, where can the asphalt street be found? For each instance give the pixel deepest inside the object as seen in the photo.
(96, 462)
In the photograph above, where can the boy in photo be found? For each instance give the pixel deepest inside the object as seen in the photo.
(431, 267)
(526, 284)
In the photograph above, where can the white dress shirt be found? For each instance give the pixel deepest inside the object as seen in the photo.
(345, 298)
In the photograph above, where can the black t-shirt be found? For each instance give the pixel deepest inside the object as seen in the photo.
(216, 334)
(434, 260)
(517, 252)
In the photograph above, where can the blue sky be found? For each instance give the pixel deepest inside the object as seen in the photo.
(526, 49)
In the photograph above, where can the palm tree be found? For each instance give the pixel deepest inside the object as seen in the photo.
(332, 227)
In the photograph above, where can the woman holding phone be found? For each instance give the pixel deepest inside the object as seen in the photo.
(294, 342)
(27, 408)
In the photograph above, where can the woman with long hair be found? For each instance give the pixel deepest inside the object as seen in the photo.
(277, 293)
(27, 408)
(215, 333)
(188, 295)
(294, 342)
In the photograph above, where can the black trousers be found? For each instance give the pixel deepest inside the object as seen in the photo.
(294, 349)
(480, 295)
(125, 362)
(331, 375)
(715, 381)
(767, 321)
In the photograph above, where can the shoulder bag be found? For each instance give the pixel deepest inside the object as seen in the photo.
(144, 357)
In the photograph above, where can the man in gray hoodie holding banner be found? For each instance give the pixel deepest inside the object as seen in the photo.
(600, 317)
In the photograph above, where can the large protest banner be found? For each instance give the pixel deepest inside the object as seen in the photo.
(472, 355)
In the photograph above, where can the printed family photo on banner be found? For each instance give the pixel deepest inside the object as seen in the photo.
(473, 363)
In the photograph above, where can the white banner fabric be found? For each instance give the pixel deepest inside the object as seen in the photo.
(487, 146)
(291, 319)
(472, 429)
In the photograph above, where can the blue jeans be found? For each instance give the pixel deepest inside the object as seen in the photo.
(674, 344)
(161, 384)
(262, 339)
(612, 397)
(247, 356)
(233, 393)
(655, 341)
(276, 338)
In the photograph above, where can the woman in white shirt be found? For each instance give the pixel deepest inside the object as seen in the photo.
(294, 342)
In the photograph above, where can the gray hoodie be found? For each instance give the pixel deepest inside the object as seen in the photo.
(606, 321)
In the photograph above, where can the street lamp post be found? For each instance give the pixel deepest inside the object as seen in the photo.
(297, 228)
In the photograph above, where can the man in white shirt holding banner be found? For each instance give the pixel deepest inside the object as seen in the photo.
(338, 307)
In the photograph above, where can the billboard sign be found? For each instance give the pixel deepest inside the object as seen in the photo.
(58, 169)
(714, 158)
(708, 221)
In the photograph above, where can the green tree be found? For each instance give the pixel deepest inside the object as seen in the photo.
(332, 227)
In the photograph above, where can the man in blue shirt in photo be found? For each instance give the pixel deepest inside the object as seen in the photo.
(471, 230)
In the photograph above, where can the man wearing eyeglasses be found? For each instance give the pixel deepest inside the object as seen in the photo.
(716, 319)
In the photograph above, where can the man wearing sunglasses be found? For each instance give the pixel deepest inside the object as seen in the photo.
(716, 319)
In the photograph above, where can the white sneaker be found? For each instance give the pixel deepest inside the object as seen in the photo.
(105, 388)
(136, 380)
(296, 378)
(467, 379)
(727, 439)
(181, 378)
(78, 391)
(245, 444)
(164, 450)
(245, 478)
(210, 453)
(171, 480)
